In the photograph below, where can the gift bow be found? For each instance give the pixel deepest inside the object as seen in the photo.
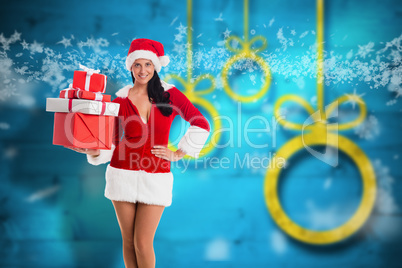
(317, 115)
(89, 70)
(246, 45)
(98, 95)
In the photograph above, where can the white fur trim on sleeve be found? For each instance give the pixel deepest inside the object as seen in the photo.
(123, 92)
(193, 141)
(104, 156)
(165, 85)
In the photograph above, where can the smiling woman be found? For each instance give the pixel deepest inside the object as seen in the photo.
(142, 71)
(138, 179)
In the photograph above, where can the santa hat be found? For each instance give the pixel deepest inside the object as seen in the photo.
(147, 49)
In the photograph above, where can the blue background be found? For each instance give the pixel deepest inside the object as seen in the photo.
(52, 209)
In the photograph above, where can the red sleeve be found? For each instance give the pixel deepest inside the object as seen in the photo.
(197, 134)
(183, 106)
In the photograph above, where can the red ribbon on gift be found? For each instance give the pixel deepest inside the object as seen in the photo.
(103, 108)
(70, 105)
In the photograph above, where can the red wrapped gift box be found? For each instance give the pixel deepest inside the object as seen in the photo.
(72, 93)
(83, 130)
(89, 81)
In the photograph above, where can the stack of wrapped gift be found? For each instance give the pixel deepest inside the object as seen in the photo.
(84, 116)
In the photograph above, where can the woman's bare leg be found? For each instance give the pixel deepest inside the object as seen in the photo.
(146, 222)
(126, 213)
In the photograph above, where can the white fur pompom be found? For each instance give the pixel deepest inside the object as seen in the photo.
(164, 60)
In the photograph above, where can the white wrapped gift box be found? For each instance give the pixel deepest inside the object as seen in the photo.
(82, 106)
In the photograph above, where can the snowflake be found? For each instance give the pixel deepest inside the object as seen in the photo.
(219, 18)
(182, 29)
(52, 73)
(94, 44)
(252, 78)
(391, 102)
(36, 47)
(396, 42)
(178, 37)
(25, 45)
(303, 34)
(102, 42)
(65, 42)
(354, 98)
(22, 70)
(368, 129)
(5, 42)
(226, 33)
(179, 48)
(7, 91)
(385, 202)
(396, 57)
(49, 52)
(395, 88)
(365, 50)
(283, 40)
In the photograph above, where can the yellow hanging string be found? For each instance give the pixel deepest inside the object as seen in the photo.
(320, 59)
(194, 95)
(189, 40)
(246, 20)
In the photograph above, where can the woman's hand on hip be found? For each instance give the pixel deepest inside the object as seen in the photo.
(93, 152)
(167, 154)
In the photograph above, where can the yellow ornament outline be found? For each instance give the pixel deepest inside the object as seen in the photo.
(195, 95)
(320, 135)
(365, 206)
(246, 52)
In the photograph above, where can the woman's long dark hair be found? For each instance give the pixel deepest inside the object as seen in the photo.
(157, 94)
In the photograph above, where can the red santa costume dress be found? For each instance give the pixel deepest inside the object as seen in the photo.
(134, 173)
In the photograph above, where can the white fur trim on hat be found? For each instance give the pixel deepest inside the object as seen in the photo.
(193, 141)
(139, 186)
(144, 54)
(104, 156)
(123, 92)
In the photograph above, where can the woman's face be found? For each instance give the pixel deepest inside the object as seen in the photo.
(143, 70)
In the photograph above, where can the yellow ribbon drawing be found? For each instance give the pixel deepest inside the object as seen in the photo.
(193, 95)
(321, 133)
(246, 52)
